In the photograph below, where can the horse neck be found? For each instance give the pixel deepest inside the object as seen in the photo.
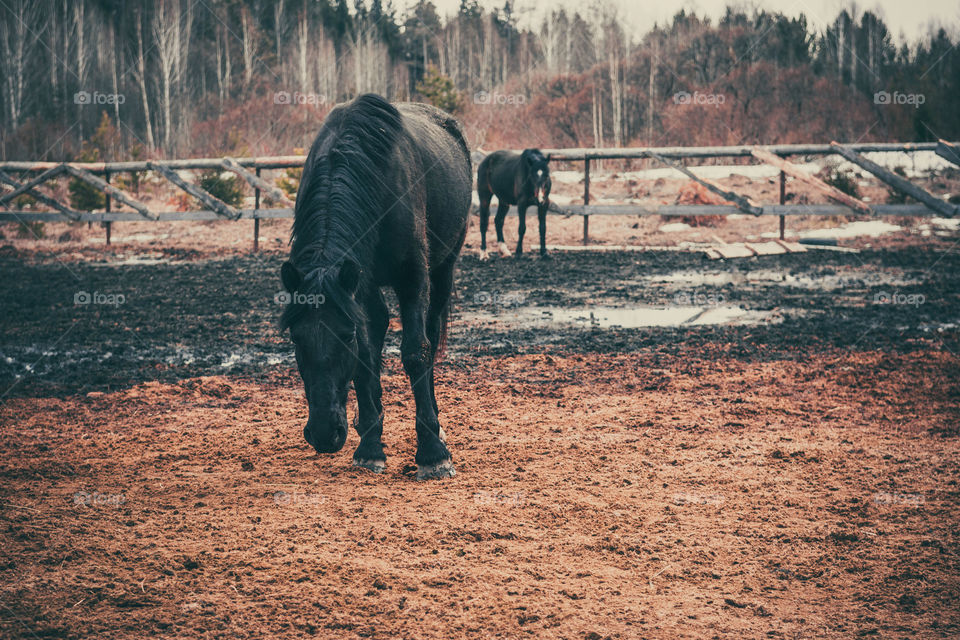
(333, 241)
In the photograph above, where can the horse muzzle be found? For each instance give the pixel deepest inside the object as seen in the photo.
(326, 440)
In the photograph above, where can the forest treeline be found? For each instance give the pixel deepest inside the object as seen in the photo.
(178, 78)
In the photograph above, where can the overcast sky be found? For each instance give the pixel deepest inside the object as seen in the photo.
(911, 17)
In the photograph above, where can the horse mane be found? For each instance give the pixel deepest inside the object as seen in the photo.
(340, 198)
(533, 153)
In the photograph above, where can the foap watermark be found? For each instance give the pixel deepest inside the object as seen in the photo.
(912, 499)
(306, 299)
(285, 498)
(84, 298)
(299, 98)
(95, 97)
(514, 499)
(699, 99)
(897, 298)
(97, 499)
(912, 99)
(510, 299)
(487, 98)
(698, 299)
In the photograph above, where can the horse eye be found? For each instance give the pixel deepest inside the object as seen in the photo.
(346, 337)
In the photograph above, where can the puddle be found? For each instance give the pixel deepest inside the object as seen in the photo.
(772, 277)
(868, 228)
(139, 260)
(35, 360)
(621, 317)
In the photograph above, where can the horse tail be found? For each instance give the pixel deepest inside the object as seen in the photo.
(443, 314)
(451, 126)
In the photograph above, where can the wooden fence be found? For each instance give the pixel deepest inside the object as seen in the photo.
(20, 178)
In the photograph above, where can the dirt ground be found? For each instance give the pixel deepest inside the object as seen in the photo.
(791, 476)
(597, 496)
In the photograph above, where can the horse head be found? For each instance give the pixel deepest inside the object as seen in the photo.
(324, 321)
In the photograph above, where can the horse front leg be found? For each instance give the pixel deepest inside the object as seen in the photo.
(522, 228)
(542, 220)
(484, 223)
(416, 352)
(502, 209)
(369, 454)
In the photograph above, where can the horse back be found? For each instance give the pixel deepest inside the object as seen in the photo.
(437, 164)
(503, 174)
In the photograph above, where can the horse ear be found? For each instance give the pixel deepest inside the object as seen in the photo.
(290, 276)
(349, 276)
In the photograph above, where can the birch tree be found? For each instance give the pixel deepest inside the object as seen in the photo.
(18, 41)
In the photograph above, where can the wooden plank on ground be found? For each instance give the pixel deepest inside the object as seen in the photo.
(765, 248)
(743, 203)
(216, 204)
(793, 170)
(898, 183)
(713, 254)
(791, 247)
(734, 251)
(109, 189)
(40, 197)
(269, 191)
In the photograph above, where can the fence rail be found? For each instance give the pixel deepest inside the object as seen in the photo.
(32, 176)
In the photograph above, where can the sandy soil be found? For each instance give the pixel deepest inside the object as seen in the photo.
(597, 496)
(792, 478)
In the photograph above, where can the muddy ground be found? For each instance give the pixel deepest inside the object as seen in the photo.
(763, 448)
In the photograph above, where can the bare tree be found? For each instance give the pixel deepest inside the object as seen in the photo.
(79, 32)
(327, 66)
(278, 28)
(170, 29)
(303, 48)
(141, 75)
(18, 41)
(246, 30)
(370, 60)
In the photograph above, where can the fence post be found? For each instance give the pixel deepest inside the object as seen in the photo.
(256, 220)
(586, 199)
(107, 223)
(783, 200)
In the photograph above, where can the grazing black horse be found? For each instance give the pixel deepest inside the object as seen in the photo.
(521, 179)
(383, 201)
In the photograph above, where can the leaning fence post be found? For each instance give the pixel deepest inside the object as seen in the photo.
(783, 200)
(106, 223)
(586, 199)
(256, 217)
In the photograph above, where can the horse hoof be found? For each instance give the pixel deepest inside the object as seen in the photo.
(484, 256)
(376, 466)
(439, 471)
(504, 251)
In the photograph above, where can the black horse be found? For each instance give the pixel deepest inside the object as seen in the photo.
(521, 179)
(383, 201)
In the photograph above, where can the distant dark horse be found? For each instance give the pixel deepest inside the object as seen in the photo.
(522, 180)
(383, 201)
